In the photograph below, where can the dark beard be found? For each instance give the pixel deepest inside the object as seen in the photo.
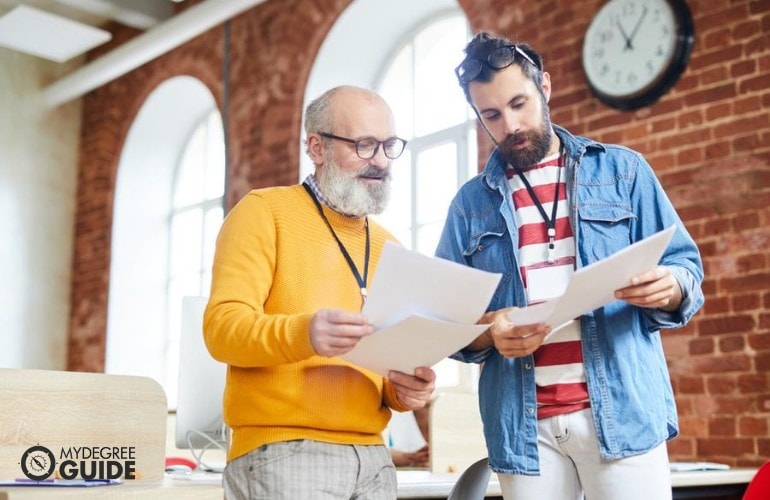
(540, 143)
(522, 159)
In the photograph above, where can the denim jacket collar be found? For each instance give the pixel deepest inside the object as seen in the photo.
(493, 174)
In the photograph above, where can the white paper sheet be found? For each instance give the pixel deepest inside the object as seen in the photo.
(594, 286)
(423, 310)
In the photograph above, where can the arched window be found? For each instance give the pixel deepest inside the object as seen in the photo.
(167, 212)
(196, 216)
(431, 113)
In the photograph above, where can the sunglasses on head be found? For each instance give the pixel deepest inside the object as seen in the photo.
(499, 58)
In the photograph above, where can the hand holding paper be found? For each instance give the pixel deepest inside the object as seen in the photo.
(423, 310)
(593, 286)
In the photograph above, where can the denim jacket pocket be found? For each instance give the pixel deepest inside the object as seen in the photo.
(480, 241)
(491, 251)
(605, 229)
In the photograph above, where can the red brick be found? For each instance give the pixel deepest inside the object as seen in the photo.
(746, 302)
(681, 449)
(717, 305)
(730, 324)
(761, 341)
(694, 426)
(702, 346)
(722, 364)
(732, 344)
(722, 426)
(754, 383)
(691, 385)
(721, 384)
(731, 447)
(762, 361)
(753, 426)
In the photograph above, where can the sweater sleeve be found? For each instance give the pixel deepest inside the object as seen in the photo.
(236, 328)
(390, 397)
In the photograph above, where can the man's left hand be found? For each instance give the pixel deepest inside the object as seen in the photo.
(656, 288)
(414, 391)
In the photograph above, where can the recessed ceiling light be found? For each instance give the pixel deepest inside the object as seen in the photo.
(46, 35)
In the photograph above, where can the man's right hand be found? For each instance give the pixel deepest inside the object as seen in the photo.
(334, 332)
(513, 341)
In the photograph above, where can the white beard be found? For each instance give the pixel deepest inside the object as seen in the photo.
(349, 194)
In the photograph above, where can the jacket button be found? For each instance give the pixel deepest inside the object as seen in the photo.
(528, 366)
(530, 410)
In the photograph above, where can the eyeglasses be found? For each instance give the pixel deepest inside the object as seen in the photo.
(498, 59)
(367, 147)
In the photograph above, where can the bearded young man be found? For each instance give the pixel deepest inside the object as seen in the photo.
(587, 410)
(289, 279)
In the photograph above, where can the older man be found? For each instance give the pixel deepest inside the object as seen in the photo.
(290, 275)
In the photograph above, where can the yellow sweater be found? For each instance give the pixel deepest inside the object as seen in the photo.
(277, 264)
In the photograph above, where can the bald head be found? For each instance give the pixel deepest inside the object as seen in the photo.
(346, 103)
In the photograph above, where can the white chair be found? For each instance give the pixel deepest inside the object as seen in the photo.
(473, 482)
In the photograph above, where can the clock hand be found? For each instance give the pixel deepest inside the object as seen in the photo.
(636, 28)
(623, 32)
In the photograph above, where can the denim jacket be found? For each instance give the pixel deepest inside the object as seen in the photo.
(614, 200)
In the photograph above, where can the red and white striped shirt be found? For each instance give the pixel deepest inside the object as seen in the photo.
(559, 372)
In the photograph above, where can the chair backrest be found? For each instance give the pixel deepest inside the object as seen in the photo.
(111, 421)
(473, 482)
(456, 432)
(759, 486)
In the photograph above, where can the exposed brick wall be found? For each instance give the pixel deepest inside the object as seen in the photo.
(708, 140)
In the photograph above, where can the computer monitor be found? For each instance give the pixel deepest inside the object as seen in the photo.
(199, 422)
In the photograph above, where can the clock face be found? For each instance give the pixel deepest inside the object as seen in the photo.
(634, 50)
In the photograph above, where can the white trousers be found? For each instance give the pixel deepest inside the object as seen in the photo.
(572, 469)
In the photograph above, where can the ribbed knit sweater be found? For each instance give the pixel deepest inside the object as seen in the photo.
(276, 265)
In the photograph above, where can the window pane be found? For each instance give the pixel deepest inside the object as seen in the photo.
(211, 224)
(427, 237)
(438, 98)
(436, 182)
(190, 172)
(214, 184)
(397, 89)
(397, 217)
(186, 232)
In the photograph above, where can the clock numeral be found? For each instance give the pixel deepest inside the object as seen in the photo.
(631, 78)
(628, 9)
(605, 36)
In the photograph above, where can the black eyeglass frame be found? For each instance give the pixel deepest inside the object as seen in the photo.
(468, 75)
(357, 143)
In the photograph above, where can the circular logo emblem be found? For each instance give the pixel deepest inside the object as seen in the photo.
(37, 463)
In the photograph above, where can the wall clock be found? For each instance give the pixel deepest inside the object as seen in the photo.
(635, 50)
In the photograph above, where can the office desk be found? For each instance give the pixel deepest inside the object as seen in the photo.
(135, 490)
(422, 485)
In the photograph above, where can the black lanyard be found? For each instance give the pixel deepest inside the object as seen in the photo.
(361, 280)
(549, 223)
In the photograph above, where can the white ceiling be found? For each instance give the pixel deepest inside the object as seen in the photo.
(59, 30)
(379, 23)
